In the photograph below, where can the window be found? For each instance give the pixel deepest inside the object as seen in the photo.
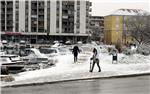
(117, 19)
(57, 23)
(78, 2)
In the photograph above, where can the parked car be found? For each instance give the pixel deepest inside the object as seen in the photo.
(11, 64)
(2, 52)
(52, 53)
(68, 43)
(4, 41)
(36, 60)
(22, 42)
(64, 50)
(33, 56)
(56, 45)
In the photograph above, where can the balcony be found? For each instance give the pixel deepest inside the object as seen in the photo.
(41, 30)
(41, 24)
(41, 19)
(34, 16)
(78, 31)
(10, 24)
(9, 6)
(9, 27)
(3, 15)
(33, 29)
(33, 12)
(41, 13)
(71, 19)
(2, 11)
(90, 9)
(65, 16)
(9, 12)
(33, 6)
(33, 25)
(64, 8)
(89, 3)
(9, 18)
(2, 24)
(41, 27)
(3, 28)
(41, 6)
(3, 6)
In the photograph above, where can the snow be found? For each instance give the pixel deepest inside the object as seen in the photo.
(130, 12)
(66, 69)
(36, 53)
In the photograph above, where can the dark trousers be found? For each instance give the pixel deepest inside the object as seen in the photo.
(97, 62)
(75, 57)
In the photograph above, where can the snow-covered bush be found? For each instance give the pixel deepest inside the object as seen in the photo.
(126, 51)
(144, 49)
(103, 50)
(129, 51)
(109, 47)
(112, 50)
(133, 59)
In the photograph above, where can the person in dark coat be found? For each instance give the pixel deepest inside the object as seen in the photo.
(95, 59)
(75, 53)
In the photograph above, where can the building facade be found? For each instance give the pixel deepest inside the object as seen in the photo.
(115, 27)
(38, 20)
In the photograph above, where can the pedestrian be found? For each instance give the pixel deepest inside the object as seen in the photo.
(75, 53)
(95, 59)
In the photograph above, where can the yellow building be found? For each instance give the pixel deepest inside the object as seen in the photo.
(115, 30)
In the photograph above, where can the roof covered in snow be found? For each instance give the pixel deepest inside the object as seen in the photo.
(131, 12)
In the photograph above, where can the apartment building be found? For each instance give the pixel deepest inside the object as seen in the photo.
(115, 28)
(44, 20)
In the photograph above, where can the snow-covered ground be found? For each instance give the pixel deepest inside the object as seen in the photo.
(66, 69)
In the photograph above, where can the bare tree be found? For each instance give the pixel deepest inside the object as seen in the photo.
(147, 31)
(96, 33)
(138, 28)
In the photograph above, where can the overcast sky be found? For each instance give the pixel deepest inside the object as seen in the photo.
(106, 7)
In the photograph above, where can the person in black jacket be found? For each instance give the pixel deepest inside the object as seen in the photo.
(75, 52)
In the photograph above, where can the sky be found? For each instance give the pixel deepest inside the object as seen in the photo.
(106, 7)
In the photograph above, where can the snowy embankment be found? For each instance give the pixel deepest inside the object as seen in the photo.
(66, 69)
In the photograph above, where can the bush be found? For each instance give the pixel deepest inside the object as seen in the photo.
(144, 49)
(118, 46)
(128, 51)
(112, 50)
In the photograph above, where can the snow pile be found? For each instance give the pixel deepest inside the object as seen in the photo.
(135, 58)
(66, 69)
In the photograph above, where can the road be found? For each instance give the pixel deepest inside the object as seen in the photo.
(130, 85)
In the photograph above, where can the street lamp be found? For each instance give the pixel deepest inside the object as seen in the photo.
(89, 36)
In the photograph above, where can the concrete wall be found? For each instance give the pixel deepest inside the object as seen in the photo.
(53, 17)
(21, 16)
(82, 17)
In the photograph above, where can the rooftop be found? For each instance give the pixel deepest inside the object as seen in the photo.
(130, 12)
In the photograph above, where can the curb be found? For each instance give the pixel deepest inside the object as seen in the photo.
(80, 79)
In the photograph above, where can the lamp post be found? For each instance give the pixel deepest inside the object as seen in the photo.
(89, 36)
